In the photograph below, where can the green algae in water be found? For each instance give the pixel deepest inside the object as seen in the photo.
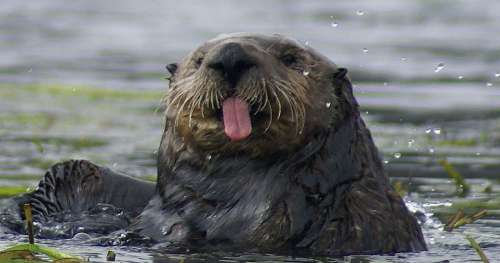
(43, 120)
(10, 191)
(92, 93)
(39, 146)
(460, 219)
(457, 143)
(20, 177)
(151, 178)
(75, 143)
(41, 163)
(111, 255)
(19, 256)
(400, 187)
(478, 249)
(463, 188)
(484, 203)
(27, 253)
(469, 207)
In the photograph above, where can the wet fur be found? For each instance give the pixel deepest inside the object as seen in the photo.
(329, 198)
(320, 189)
(308, 180)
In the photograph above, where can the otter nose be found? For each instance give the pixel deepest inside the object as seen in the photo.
(232, 62)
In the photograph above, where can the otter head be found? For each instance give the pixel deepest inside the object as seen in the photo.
(255, 94)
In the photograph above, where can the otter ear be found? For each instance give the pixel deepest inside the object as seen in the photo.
(172, 68)
(340, 74)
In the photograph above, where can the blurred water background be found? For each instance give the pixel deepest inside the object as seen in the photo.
(84, 79)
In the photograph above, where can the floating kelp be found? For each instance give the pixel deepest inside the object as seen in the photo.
(478, 249)
(111, 255)
(463, 188)
(460, 219)
(28, 252)
(400, 188)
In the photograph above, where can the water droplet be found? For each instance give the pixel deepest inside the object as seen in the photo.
(428, 130)
(411, 142)
(478, 153)
(403, 59)
(305, 73)
(365, 50)
(489, 84)
(460, 77)
(397, 155)
(334, 24)
(431, 150)
(306, 43)
(437, 131)
(497, 75)
(209, 157)
(360, 12)
(386, 162)
(385, 83)
(115, 164)
(439, 67)
(328, 104)
(81, 236)
(164, 230)
(367, 112)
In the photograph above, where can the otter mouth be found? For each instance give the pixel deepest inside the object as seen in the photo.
(236, 118)
(231, 97)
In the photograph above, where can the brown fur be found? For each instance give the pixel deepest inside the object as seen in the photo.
(308, 179)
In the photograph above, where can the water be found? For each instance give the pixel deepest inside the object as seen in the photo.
(83, 79)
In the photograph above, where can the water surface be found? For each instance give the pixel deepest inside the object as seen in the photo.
(84, 79)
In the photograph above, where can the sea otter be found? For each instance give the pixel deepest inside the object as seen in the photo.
(263, 150)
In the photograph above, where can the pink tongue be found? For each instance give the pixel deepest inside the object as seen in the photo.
(237, 124)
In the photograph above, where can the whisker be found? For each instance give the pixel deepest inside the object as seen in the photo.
(219, 98)
(263, 99)
(268, 105)
(273, 90)
(279, 88)
(295, 100)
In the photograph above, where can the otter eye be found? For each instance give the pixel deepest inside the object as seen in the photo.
(199, 61)
(288, 60)
(172, 68)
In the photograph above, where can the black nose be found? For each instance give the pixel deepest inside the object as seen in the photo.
(231, 61)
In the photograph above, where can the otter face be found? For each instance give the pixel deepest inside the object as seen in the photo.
(251, 93)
